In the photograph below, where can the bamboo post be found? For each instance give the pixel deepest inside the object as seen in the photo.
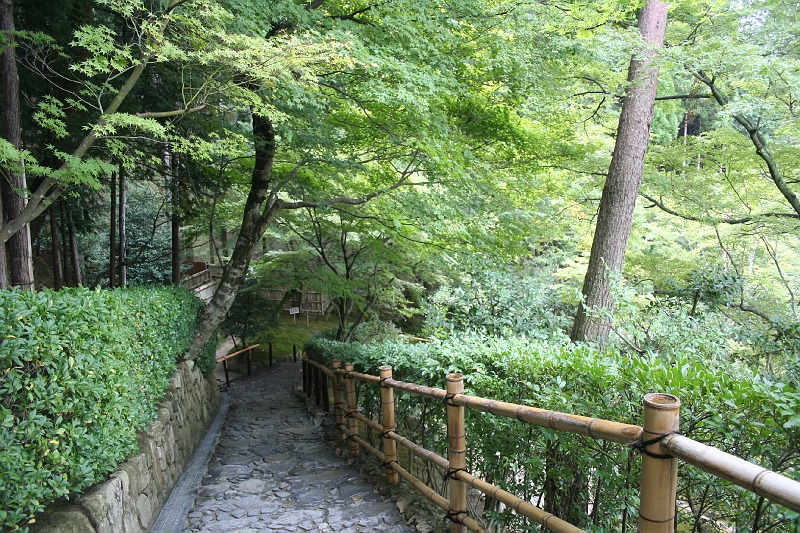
(315, 371)
(387, 418)
(326, 396)
(270, 354)
(659, 473)
(310, 378)
(249, 357)
(227, 379)
(304, 366)
(294, 353)
(338, 400)
(456, 454)
(352, 423)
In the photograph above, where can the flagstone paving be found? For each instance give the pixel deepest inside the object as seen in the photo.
(272, 472)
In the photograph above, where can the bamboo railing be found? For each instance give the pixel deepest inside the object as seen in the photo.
(224, 361)
(658, 439)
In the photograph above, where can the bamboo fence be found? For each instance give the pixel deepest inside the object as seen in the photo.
(224, 361)
(658, 439)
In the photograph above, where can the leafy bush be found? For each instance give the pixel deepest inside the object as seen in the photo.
(723, 404)
(81, 372)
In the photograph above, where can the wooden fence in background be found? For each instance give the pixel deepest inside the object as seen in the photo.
(658, 439)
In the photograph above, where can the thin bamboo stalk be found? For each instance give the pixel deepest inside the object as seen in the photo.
(232, 355)
(317, 385)
(368, 422)
(338, 399)
(326, 397)
(659, 475)
(771, 485)
(388, 422)
(592, 427)
(456, 454)
(527, 509)
(352, 423)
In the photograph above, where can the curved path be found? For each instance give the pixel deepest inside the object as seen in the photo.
(272, 472)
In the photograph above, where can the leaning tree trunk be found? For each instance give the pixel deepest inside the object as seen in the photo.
(615, 217)
(260, 209)
(19, 260)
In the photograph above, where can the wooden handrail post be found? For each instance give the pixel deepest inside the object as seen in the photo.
(294, 353)
(338, 399)
(659, 474)
(326, 396)
(227, 378)
(387, 418)
(352, 423)
(304, 365)
(270, 354)
(456, 454)
(317, 373)
(249, 357)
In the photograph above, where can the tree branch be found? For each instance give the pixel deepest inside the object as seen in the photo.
(684, 96)
(709, 220)
(174, 113)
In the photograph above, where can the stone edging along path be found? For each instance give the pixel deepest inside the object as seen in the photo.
(273, 472)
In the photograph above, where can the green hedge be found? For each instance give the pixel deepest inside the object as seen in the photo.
(723, 404)
(81, 372)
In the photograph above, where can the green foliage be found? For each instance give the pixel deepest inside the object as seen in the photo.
(723, 405)
(207, 358)
(81, 373)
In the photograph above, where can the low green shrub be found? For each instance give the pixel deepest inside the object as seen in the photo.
(723, 404)
(81, 372)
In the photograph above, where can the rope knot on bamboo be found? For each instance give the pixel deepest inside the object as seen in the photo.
(455, 516)
(447, 399)
(383, 384)
(451, 474)
(642, 446)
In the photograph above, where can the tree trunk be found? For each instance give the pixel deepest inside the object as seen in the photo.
(58, 275)
(19, 260)
(112, 236)
(64, 241)
(260, 209)
(615, 217)
(73, 246)
(123, 241)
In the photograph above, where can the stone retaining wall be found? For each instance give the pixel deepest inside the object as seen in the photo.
(129, 502)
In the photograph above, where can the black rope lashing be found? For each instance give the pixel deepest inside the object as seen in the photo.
(453, 516)
(385, 434)
(382, 383)
(388, 464)
(447, 399)
(642, 446)
(451, 474)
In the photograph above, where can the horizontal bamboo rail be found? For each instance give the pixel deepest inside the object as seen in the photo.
(428, 492)
(668, 444)
(771, 485)
(224, 361)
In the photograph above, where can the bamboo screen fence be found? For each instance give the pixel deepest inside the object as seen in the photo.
(658, 439)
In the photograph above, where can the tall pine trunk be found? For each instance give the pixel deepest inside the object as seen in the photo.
(615, 217)
(73, 246)
(58, 273)
(19, 260)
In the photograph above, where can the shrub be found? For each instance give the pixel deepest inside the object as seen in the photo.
(81, 372)
(723, 404)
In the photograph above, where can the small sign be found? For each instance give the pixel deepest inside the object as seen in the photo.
(294, 310)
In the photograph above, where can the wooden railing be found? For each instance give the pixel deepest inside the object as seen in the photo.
(249, 352)
(658, 439)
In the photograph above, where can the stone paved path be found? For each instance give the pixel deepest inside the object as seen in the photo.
(272, 472)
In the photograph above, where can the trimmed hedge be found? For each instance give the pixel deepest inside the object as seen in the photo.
(724, 404)
(81, 373)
